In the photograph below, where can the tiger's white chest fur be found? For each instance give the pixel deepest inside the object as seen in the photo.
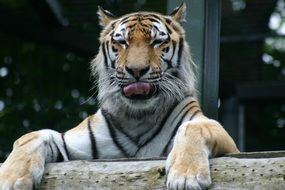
(149, 135)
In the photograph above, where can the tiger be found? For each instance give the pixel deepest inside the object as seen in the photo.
(148, 107)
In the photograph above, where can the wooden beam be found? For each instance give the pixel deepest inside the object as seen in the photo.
(227, 173)
(248, 170)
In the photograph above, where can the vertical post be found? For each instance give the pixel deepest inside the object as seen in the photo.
(210, 87)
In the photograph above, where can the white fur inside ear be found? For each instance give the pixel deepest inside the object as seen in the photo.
(105, 16)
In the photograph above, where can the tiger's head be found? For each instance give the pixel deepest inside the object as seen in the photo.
(144, 60)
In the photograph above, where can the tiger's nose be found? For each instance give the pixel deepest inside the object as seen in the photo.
(137, 72)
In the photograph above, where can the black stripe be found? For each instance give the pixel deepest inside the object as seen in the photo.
(105, 56)
(124, 19)
(59, 157)
(113, 26)
(156, 27)
(52, 153)
(113, 134)
(187, 106)
(181, 41)
(168, 29)
(124, 22)
(175, 74)
(114, 49)
(130, 26)
(168, 21)
(119, 128)
(174, 11)
(155, 16)
(194, 114)
(166, 49)
(168, 62)
(113, 64)
(92, 141)
(153, 20)
(179, 123)
(116, 125)
(174, 49)
(108, 51)
(64, 145)
(145, 25)
(162, 123)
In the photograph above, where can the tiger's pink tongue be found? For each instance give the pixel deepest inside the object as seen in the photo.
(138, 88)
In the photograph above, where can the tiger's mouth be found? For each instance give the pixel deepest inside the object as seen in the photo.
(139, 90)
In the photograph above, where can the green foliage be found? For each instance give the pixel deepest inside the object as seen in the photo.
(41, 87)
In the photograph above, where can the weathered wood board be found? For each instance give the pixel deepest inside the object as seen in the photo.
(259, 171)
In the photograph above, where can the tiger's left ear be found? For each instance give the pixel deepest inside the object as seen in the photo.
(179, 13)
(105, 17)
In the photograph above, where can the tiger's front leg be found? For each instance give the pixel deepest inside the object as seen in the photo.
(24, 167)
(187, 164)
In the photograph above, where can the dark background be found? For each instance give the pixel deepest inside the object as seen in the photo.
(46, 48)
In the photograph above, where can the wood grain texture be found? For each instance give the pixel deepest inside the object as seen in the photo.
(227, 173)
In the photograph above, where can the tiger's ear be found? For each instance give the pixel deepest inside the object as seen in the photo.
(179, 13)
(105, 17)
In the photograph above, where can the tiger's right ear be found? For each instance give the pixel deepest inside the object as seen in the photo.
(179, 13)
(105, 17)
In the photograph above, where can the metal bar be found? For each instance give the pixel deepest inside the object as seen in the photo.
(211, 58)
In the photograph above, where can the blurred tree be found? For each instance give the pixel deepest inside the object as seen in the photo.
(41, 88)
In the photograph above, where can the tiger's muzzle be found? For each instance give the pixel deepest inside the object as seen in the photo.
(138, 83)
(139, 90)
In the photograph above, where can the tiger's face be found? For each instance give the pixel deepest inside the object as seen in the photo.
(142, 58)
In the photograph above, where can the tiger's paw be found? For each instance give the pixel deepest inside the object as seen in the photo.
(190, 173)
(21, 172)
(23, 169)
(14, 182)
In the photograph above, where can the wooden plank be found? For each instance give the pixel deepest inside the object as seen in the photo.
(227, 173)
(251, 170)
